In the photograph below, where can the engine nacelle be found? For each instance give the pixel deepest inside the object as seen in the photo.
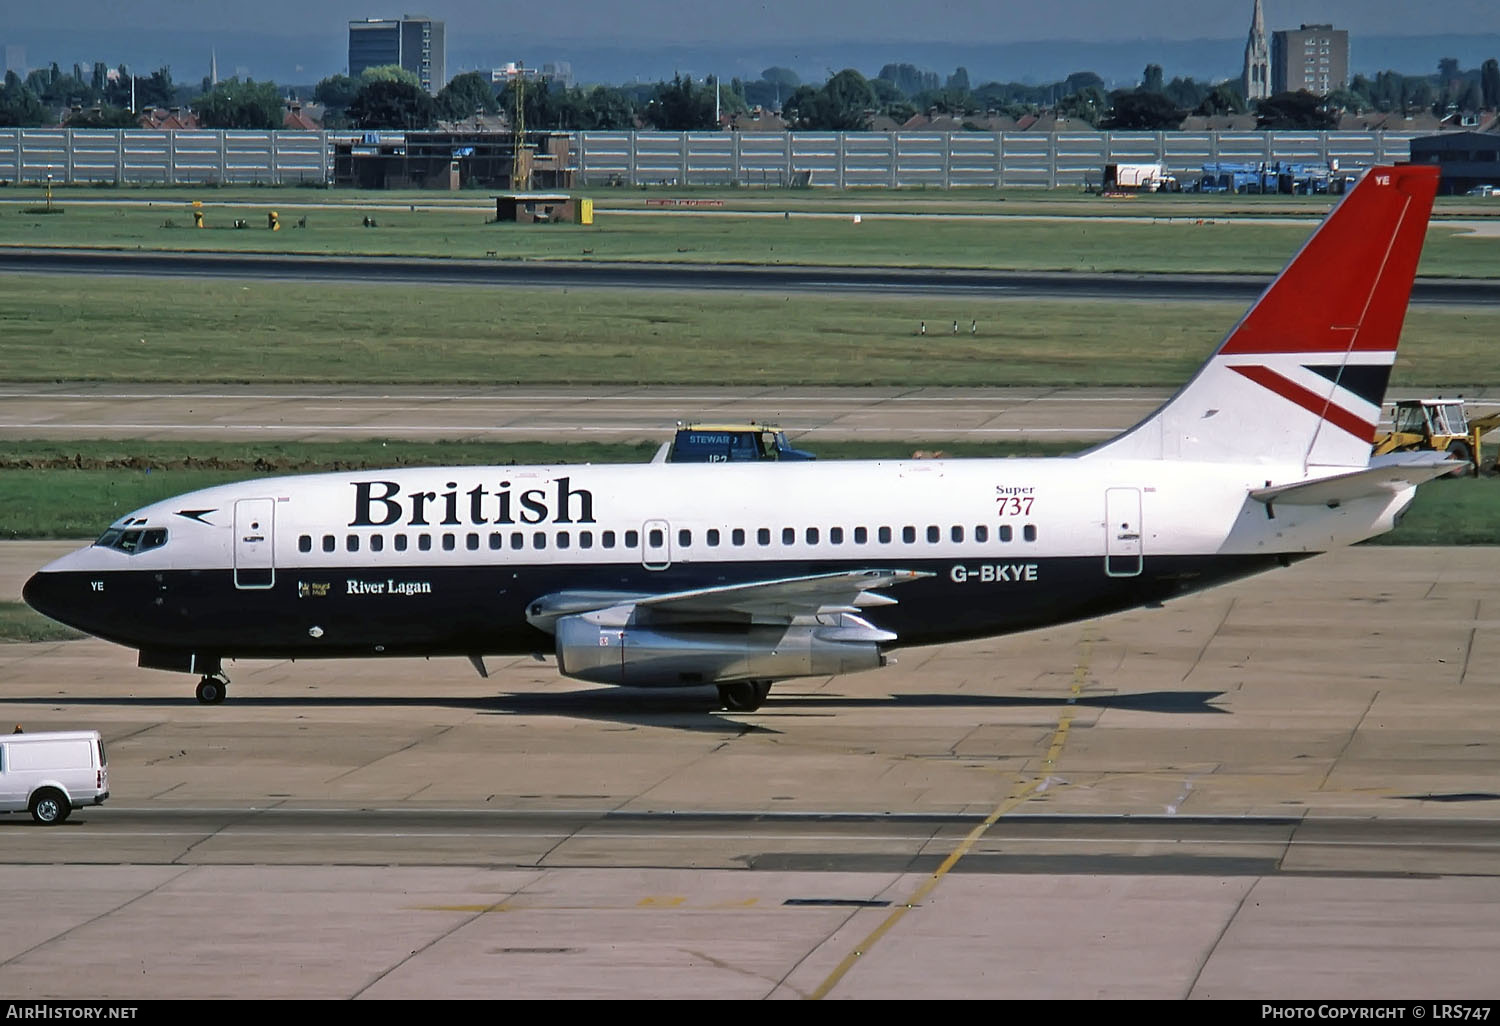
(599, 648)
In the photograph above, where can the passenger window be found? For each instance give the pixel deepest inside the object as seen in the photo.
(811, 535)
(737, 536)
(608, 539)
(472, 542)
(788, 536)
(304, 543)
(684, 537)
(539, 539)
(1004, 532)
(885, 535)
(655, 537)
(1029, 532)
(861, 536)
(448, 542)
(497, 540)
(585, 539)
(632, 539)
(836, 535)
(713, 536)
(763, 536)
(563, 539)
(377, 543)
(933, 534)
(400, 543)
(957, 534)
(908, 534)
(981, 533)
(351, 543)
(424, 542)
(330, 543)
(517, 540)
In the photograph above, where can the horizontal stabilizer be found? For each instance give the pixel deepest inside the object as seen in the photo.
(1379, 479)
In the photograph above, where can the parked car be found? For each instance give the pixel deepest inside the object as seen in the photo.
(51, 773)
(1483, 190)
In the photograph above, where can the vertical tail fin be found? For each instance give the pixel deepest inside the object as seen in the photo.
(1302, 377)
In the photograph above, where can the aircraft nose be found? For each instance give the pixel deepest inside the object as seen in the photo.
(43, 592)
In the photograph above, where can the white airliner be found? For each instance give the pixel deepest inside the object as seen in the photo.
(739, 575)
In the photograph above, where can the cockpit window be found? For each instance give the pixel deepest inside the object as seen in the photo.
(134, 540)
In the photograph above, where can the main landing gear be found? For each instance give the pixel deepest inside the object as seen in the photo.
(744, 695)
(213, 688)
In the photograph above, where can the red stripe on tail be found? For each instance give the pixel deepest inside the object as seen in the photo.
(1310, 401)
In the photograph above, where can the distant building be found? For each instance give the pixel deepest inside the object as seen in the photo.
(1467, 159)
(168, 119)
(15, 60)
(1255, 80)
(415, 43)
(1314, 57)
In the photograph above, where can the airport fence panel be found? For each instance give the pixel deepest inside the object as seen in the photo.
(946, 160)
(163, 157)
(941, 160)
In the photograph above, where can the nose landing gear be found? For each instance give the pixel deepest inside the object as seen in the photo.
(213, 688)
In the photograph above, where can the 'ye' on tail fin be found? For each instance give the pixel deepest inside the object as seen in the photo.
(1302, 377)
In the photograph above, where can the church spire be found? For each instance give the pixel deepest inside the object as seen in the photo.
(1255, 82)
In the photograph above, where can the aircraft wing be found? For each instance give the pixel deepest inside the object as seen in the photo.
(780, 599)
(1386, 475)
(789, 596)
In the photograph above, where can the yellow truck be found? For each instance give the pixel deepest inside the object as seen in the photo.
(1439, 425)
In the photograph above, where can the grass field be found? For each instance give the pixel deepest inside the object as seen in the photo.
(119, 329)
(1180, 234)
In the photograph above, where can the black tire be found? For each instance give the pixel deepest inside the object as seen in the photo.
(211, 691)
(744, 696)
(1461, 451)
(49, 807)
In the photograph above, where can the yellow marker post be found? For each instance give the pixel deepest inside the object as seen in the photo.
(197, 213)
(273, 222)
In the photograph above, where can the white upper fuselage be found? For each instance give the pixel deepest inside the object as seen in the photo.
(930, 508)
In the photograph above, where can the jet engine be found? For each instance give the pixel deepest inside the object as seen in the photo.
(607, 646)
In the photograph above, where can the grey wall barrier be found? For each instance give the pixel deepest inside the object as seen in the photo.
(820, 159)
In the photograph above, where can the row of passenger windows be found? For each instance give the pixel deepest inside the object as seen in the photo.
(656, 538)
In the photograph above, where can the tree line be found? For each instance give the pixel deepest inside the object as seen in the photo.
(391, 98)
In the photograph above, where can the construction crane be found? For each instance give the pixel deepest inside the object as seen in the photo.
(520, 168)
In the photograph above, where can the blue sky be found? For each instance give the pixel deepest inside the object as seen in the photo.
(618, 41)
(721, 21)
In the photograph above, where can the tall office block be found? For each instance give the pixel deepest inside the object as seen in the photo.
(416, 43)
(1314, 57)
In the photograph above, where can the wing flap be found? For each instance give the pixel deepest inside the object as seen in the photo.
(788, 596)
(782, 599)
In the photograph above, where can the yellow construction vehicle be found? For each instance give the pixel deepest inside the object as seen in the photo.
(1439, 425)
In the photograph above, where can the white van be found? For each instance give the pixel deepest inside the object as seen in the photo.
(51, 773)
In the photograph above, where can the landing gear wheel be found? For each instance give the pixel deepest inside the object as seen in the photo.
(744, 696)
(49, 807)
(213, 688)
